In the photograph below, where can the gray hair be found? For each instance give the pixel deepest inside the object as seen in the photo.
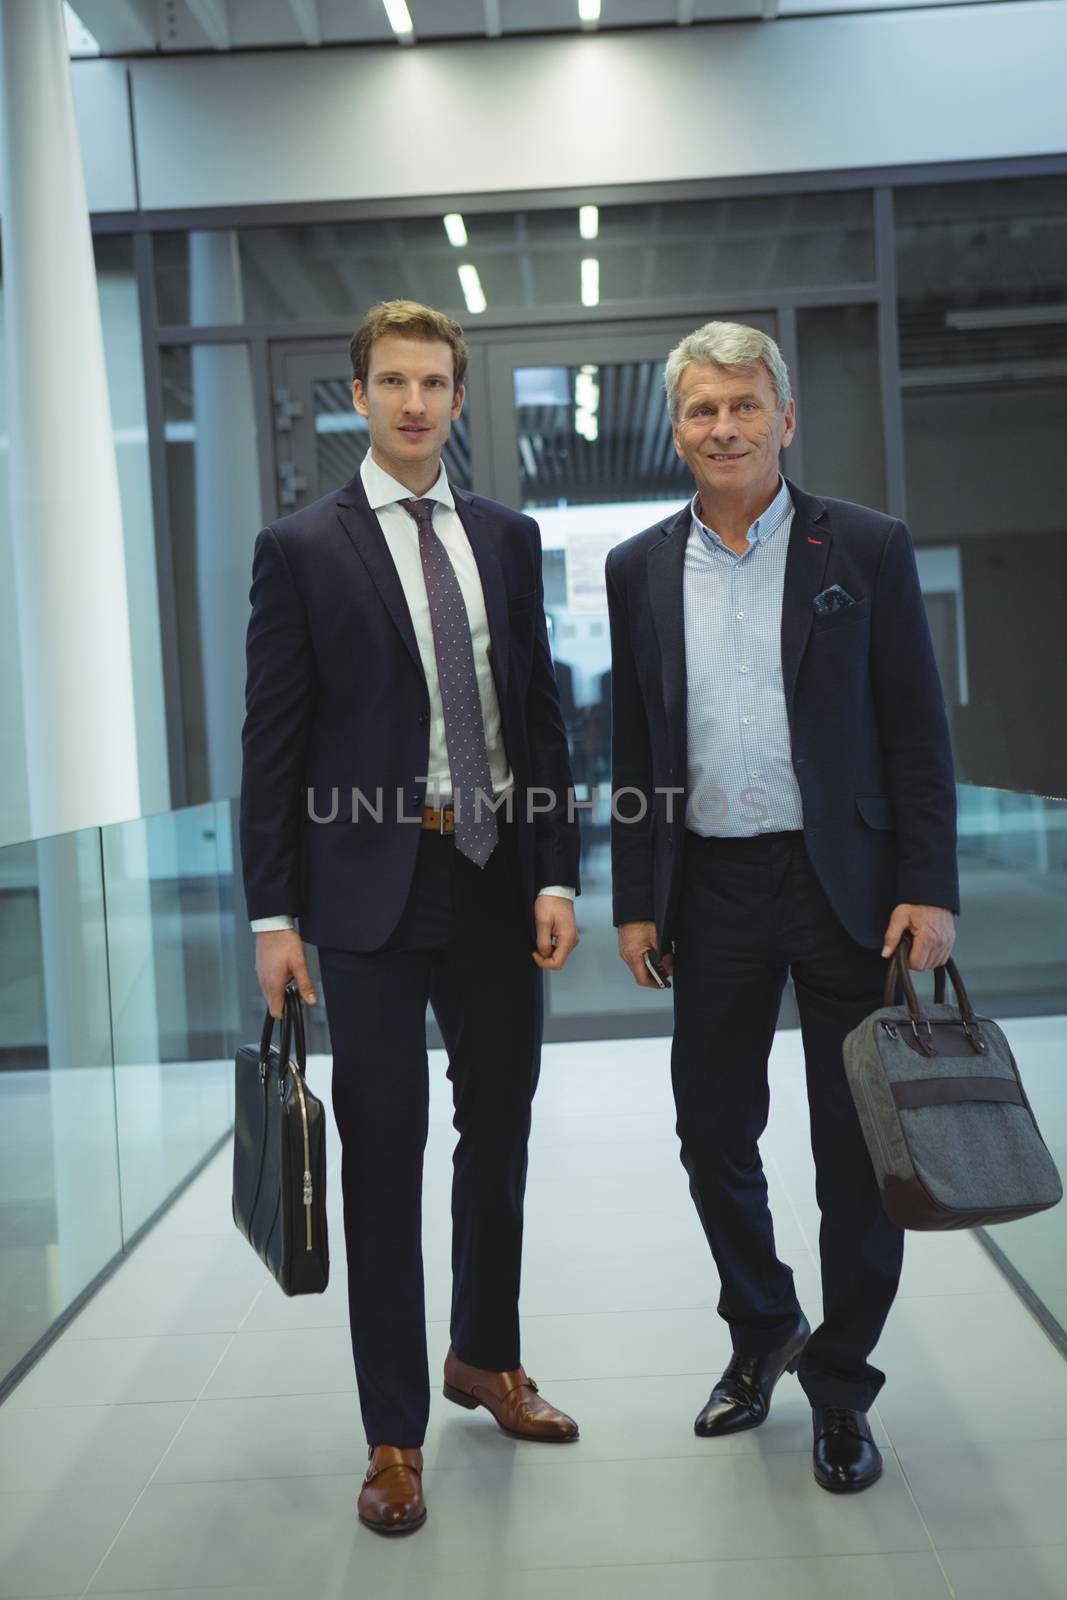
(733, 346)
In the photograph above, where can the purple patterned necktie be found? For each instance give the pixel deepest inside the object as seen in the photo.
(468, 759)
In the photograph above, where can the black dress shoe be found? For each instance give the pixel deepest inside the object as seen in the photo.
(846, 1458)
(742, 1397)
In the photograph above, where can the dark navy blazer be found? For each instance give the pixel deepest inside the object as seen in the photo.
(337, 700)
(870, 741)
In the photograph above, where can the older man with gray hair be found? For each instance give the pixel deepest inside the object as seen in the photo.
(786, 804)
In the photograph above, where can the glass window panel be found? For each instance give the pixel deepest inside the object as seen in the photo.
(213, 487)
(597, 463)
(594, 433)
(646, 253)
(983, 349)
(121, 319)
(839, 404)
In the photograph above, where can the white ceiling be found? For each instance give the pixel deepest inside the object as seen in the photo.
(135, 27)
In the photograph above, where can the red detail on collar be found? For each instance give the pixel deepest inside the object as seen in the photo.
(813, 541)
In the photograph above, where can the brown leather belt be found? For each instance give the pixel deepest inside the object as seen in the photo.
(439, 821)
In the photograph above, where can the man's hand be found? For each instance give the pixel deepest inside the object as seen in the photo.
(933, 933)
(557, 932)
(279, 957)
(634, 939)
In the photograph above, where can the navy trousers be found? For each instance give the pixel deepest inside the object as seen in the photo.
(752, 911)
(463, 946)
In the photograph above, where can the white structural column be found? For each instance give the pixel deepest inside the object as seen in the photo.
(66, 518)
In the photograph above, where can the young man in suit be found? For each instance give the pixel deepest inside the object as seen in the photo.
(789, 806)
(406, 795)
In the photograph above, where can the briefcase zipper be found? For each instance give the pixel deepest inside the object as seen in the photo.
(308, 1194)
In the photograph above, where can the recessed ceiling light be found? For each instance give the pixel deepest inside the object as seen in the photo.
(588, 221)
(590, 281)
(589, 11)
(473, 293)
(456, 229)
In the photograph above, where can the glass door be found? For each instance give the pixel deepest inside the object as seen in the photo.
(581, 439)
(319, 437)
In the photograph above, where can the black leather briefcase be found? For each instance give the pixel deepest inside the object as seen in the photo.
(279, 1157)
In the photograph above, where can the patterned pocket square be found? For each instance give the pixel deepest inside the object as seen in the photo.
(832, 599)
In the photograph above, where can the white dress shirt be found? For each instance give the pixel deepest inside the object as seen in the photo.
(402, 537)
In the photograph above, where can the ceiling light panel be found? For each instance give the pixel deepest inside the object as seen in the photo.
(456, 229)
(471, 284)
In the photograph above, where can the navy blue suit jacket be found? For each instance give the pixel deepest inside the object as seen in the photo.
(337, 700)
(870, 739)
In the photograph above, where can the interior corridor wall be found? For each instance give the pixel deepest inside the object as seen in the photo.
(956, 83)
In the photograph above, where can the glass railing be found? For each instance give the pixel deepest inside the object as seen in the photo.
(1012, 950)
(127, 979)
(124, 968)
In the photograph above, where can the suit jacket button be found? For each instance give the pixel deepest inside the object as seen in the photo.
(424, 718)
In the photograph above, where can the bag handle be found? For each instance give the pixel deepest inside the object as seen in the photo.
(292, 1031)
(898, 972)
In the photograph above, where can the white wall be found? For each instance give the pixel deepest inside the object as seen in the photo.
(950, 84)
(102, 112)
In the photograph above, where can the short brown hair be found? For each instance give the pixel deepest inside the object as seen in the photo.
(411, 321)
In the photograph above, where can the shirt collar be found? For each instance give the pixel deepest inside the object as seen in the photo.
(382, 490)
(766, 524)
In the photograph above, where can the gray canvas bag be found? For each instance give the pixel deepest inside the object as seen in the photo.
(950, 1131)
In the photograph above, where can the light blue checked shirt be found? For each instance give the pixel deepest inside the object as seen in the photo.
(741, 779)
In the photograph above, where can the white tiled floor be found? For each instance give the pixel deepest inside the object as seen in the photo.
(194, 1433)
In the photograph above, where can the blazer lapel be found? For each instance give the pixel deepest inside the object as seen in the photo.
(666, 594)
(363, 529)
(477, 527)
(805, 568)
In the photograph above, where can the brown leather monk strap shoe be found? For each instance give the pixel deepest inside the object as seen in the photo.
(512, 1398)
(390, 1500)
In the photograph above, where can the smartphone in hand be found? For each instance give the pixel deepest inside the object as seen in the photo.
(655, 971)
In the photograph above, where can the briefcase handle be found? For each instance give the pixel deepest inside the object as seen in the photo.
(898, 972)
(292, 1031)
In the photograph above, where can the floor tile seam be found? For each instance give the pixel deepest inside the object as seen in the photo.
(188, 1404)
(108, 1405)
(182, 1333)
(992, 1442)
(949, 1294)
(564, 1459)
(151, 1477)
(954, 1547)
(527, 1316)
(798, 1224)
(699, 1562)
(587, 1459)
(917, 1508)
